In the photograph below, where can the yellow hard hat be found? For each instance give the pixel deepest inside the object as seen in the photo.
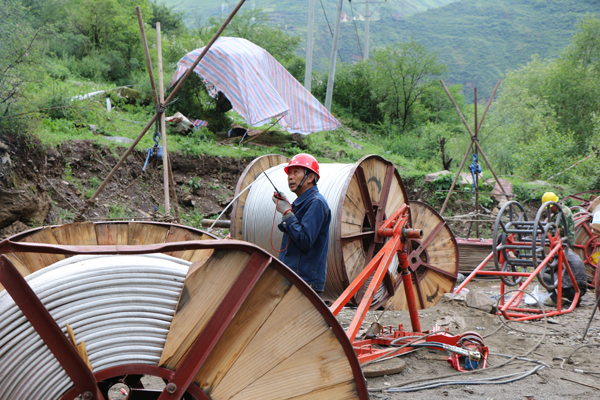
(595, 257)
(549, 196)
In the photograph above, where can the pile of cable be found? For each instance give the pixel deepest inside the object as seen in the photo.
(121, 306)
(257, 230)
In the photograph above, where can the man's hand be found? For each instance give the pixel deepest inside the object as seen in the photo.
(282, 203)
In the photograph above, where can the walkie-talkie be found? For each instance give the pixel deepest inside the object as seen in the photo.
(277, 193)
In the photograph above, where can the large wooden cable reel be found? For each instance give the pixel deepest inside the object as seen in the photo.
(278, 340)
(587, 243)
(361, 196)
(433, 260)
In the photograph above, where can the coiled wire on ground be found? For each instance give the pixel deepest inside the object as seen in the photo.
(121, 306)
(259, 210)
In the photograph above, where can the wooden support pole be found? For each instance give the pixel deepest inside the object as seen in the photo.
(456, 178)
(472, 137)
(163, 124)
(476, 177)
(487, 107)
(147, 54)
(79, 216)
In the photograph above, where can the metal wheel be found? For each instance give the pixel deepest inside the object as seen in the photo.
(510, 227)
(548, 227)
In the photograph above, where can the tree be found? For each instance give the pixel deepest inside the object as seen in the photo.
(20, 49)
(170, 20)
(253, 26)
(402, 73)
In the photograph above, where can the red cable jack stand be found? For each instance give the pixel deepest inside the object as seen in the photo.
(528, 249)
(468, 346)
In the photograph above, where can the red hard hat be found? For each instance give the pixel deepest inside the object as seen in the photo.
(304, 160)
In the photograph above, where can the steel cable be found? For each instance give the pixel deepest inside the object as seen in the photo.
(258, 220)
(121, 306)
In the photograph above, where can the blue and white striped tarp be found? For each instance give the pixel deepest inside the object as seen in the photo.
(258, 87)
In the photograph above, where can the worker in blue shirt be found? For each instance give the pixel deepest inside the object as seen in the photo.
(305, 223)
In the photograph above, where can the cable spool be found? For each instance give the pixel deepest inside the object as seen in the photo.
(250, 319)
(351, 190)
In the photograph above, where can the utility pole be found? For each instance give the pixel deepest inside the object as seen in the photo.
(309, 45)
(333, 58)
(367, 19)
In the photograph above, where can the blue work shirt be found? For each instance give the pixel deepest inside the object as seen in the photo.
(307, 231)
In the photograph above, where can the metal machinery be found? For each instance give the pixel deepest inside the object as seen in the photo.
(524, 250)
(587, 243)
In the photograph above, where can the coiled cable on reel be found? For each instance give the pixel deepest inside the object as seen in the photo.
(332, 184)
(121, 306)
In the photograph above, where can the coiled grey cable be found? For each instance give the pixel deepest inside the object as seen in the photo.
(259, 210)
(121, 306)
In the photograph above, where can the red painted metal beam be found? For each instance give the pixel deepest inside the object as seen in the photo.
(216, 326)
(49, 331)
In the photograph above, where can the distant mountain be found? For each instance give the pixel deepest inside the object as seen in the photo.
(478, 40)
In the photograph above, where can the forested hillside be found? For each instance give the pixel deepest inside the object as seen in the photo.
(478, 40)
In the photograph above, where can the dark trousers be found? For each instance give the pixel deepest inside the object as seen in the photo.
(569, 294)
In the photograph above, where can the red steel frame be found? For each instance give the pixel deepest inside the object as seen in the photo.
(180, 381)
(379, 347)
(510, 309)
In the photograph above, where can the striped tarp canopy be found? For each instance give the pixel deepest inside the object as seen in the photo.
(258, 87)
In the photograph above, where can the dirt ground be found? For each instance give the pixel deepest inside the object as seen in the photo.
(555, 381)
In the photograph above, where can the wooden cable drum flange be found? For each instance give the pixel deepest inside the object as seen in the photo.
(587, 243)
(361, 196)
(236, 323)
(433, 260)
(102, 233)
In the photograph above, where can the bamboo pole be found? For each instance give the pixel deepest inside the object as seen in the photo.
(147, 54)
(88, 203)
(163, 124)
(488, 105)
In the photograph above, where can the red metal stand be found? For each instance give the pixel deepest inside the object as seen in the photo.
(510, 309)
(381, 345)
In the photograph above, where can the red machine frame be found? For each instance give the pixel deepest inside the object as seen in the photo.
(370, 349)
(508, 309)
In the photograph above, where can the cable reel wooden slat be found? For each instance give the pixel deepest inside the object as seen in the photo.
(259, 330)
(102, 233)
(361, 196)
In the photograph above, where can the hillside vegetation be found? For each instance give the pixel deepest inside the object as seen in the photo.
(478, 40)
(546, 116)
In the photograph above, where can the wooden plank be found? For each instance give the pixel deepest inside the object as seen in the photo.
(342, 391)
(77, 234)
(36, 261)
(349, 229)
(318, 365)
(375, 171)
(353, 195)
(351, 214)
(177, 234)
(140, 234)
(265, 296)
(294, 323)
(354, 259)
(205, 287)
(395, 198)
(112, 234)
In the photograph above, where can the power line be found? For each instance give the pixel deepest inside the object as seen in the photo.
(356, 30)
(329, 26)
